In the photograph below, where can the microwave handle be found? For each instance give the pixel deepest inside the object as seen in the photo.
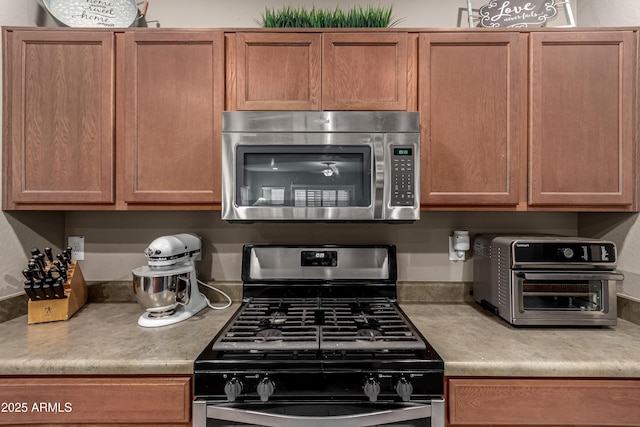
(378, 175)
(244, 416)
(571, 276)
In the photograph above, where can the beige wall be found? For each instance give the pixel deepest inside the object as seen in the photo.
(115, 240)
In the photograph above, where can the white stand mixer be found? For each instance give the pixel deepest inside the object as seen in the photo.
(168, 287)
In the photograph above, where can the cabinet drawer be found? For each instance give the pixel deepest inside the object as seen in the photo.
(544, 402)
(76, 400)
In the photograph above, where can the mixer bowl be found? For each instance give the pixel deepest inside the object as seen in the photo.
(160, 291)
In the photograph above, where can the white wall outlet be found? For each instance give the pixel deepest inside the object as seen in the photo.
(77, 247)
(459, 243)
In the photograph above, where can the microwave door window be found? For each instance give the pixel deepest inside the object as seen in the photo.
(286, 176)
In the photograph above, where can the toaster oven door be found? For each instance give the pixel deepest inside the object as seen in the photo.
(564, 298)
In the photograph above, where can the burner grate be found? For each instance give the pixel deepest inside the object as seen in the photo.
(319, 323)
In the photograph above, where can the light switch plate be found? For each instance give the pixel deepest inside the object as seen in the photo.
(77, 247)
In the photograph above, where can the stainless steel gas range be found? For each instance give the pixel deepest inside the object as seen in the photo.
(319, 340)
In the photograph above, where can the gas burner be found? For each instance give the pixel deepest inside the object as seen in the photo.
(269, 334)
(278, 318)
(364, 318)
(368, 334)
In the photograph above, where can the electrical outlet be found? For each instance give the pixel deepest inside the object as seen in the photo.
(77, 247)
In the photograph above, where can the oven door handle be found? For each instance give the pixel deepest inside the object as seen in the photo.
(435, 410)
(571, 276)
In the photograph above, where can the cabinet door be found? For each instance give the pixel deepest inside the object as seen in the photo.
(60, 102)
(582, 149)
(365, 71)
(60, 400)
(174, 92)
(278, 71)
(543, 402)
(473, 119)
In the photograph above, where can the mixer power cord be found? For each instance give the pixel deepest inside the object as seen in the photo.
(229, 302)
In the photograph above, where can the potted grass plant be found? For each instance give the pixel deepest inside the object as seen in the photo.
(356, 17)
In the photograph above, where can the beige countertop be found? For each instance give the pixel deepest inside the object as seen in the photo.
(474, 342)
(104, 339)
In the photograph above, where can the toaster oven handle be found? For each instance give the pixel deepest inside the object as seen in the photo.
(571, 276)
(435, 411)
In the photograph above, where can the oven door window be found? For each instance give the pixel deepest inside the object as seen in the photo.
(579, 295)
(304, 176)
(319, 414)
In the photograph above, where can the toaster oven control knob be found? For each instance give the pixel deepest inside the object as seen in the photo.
(567, 253)
(404, 389)
(265, 389)
(233, 389)
(372, 389)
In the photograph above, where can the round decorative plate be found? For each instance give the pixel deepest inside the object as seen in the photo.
(94, 13)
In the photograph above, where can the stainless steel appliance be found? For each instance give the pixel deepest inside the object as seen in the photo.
(546, 280)
(319, 340)
(167, 287)
(320, 166)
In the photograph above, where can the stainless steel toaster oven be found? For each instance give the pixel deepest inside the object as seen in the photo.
(546, 280)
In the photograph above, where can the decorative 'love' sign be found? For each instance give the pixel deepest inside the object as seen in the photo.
(517, 13)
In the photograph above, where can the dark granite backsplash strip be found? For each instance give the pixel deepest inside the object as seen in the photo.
(123, 291)
(438, 292)
(441, 292)
(629, 310)
(11, 308)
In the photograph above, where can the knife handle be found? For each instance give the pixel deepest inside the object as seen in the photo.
(28, 289)
(37, 288)
(49, 254)
(58, 288)
(47, 288)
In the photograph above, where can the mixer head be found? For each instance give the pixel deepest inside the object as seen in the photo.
(167, 251)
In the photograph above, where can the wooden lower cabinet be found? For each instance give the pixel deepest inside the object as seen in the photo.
(63, 400)
(543, 402)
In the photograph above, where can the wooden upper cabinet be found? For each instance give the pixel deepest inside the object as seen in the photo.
(583, 114)
(278, 71)
(59, 142)
(365, 71)
(173, 101)
(319, 71)
(472, 101)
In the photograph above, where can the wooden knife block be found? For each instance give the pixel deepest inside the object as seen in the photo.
(51, 310)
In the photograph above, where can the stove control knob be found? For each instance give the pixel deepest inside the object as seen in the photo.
(404, 389)
(372, 389)
(567, 253)
(233, 389)
(265, 389)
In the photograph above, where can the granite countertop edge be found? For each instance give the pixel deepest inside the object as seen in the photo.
(471, 341)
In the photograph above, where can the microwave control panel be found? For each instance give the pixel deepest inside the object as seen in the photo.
(402, 176)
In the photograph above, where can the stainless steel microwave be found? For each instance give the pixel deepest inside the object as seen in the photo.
(320, 166)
